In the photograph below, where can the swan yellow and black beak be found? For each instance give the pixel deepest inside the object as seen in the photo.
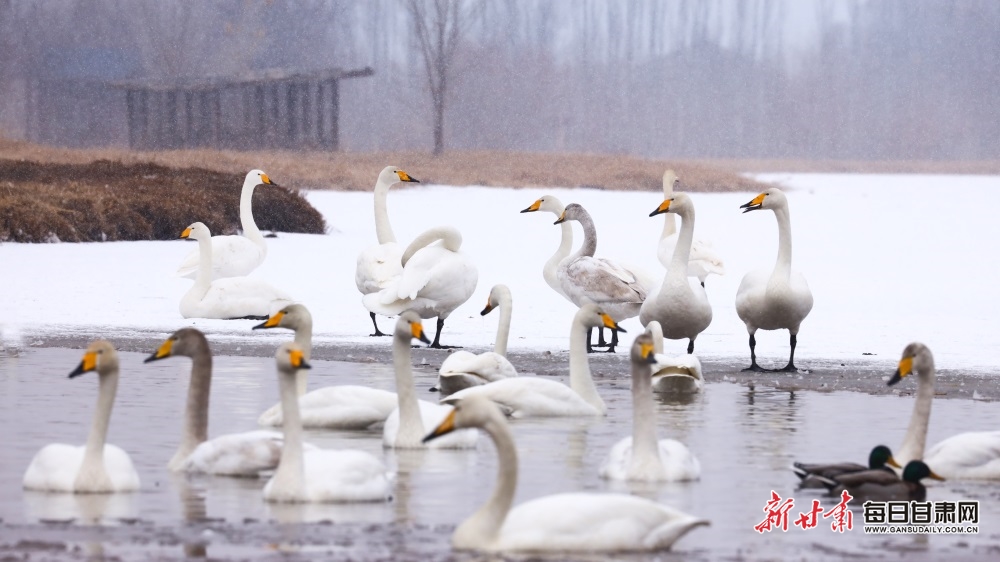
(298, 359)
(663, 208)
(186, 233)
(273, 322)
(403, 176)
(609, 322)
(267, 181)
(417, 330)
(489, 308)
(905, 369)
(647, 353)
(533, 207)
(754, 204)
(444, 428)
(162, 352)
(88, 364)
(561, 219)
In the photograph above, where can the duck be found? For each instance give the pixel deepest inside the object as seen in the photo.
(436, 279)
(234, 255)
(883, 485)
(350, 407)
(703, 261)
(681, 305)
(539, 397)
(642, 457)
(97, 467)
(229, 298)
(318, 475)
(679, 375)
(463, 369)
(236, 454)
(781, 299)
(569, 522)
(618, 289)
(404, 428)
(880, 458)
(379, 264)
(973, 455)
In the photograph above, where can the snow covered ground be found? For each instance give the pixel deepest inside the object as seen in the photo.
(890, 259)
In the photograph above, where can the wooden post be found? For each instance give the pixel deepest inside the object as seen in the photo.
(171, 117)
(307, 118)
(217, 132)
(189, 132)
(291, 111)
(334, 115)
(130, 111)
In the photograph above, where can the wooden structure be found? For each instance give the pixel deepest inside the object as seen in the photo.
(265, 109)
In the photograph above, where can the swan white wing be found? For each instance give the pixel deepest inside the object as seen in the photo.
(702, 262)
(55, 468)
(591, 280)
(679, 463)
(236, 454)
(967, 456)
(235, 297)
(530, 397)
(681, 374)
(577, 522)
(377, 266)
(339, 476)
(431, 415)
(338, 407)
(434, 282)
(232, 256)
(488, 366)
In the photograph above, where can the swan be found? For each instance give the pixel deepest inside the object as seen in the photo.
(236, 454)
(877, 460)
(778, 300)
(97, 467)
(973, 455)
(681, 305)
(378, 265)
(234, 255)
(319, 475)
(436, 280)
(237, 297)
(550, 271)
(331, 407)
(703, 260)
(579, 521)
(883, 485)
(462, 369)
(536, 396)
(666, 460)
(404, 427)
(673, 375)
(617, 289)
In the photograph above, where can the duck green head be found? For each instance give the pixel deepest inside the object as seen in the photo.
(916, 471)
(881, 456)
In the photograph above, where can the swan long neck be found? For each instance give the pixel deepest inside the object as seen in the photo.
(196, 411)
(580, 379)
(682, 252)
(645, 449)
(290, 473)
(550, 271)
(916, 433)
(93, 455)
(383, 229)
(656, 331)
(503, 327)
(250, 229)
(450, 238)
(783, 266)
(204, 279)
(589, 247)
(303, 337)
(483, 526)
(411, 424)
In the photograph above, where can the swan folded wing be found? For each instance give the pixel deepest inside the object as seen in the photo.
(972, 455)
(345, 475)
(377, 266)
(236, 297)
(56, 466)
(592, 280)
(488, 366)
(529, 396)
(232, 256)
(431, 415)
(338, 407)
(236, 454)
(678, 463)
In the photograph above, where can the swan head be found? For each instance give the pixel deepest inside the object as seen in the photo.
(642, 352)
(291, 358)
(391, 175)
(258, 177)
(548, 203)
(409, 326)
(773, 198)
(498, 294)
(573, 212)
(591, 316)
(916, 471)
(293, 317)
(474, 411)
(187, 342)
(100, 356)
(677, 203)
(197, 231)
(670, 182)
(881, 456)
(916, 358)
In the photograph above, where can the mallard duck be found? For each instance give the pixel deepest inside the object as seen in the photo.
(877, 460)
(883, 485)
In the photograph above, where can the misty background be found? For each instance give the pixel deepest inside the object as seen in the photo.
(812, 79)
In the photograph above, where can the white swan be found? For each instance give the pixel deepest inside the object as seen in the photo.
(330, 407)
(776, 300)
(619, 290)
(641, 457)
(463, 369)
(404, 427)
(378, 265)
(234, 255)
(674, 375)
(571, 522)
(236, 297)
(319, 475)
(436, 280)
(681, 305)
(550, 271)
(236, 454)
(703, 260)
(537, 396)
(97, 467)
(966, 456)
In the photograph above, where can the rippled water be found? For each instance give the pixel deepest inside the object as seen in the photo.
(745, 440)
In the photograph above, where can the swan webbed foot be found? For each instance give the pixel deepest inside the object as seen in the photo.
(378, 333)
(702, 284)
(754, 367)
(437, 345)
(789, 368)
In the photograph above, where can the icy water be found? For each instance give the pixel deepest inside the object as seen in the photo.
(745, 440)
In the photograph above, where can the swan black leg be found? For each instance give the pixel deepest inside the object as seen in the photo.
(690, 346)
(600, 338)
(378, 332)
(614, 340)
(790, 367)
(753, 357)
(437, 337)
